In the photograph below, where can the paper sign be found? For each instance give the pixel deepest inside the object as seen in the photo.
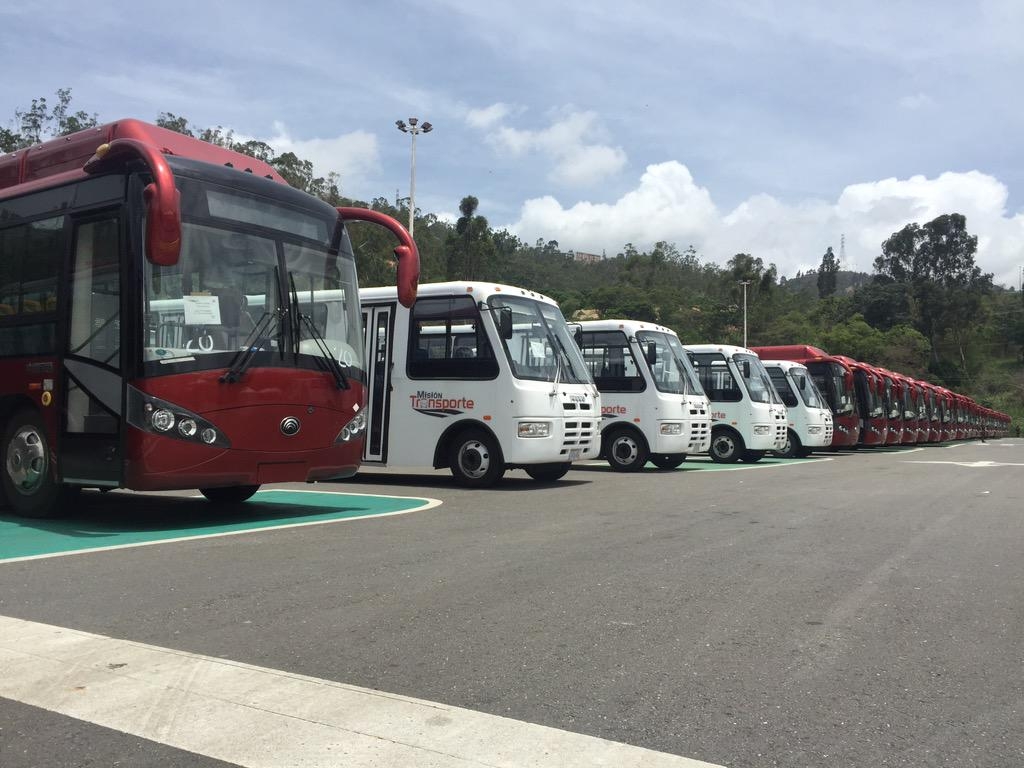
(202, 310)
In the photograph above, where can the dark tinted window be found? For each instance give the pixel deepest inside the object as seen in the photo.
(611, 362)
(447, 340)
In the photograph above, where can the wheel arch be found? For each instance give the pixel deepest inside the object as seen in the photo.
(444, 442)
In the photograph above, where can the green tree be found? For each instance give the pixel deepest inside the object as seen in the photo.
(827, 274)
(40, 122)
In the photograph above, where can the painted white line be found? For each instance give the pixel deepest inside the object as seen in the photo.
(265, 718)
(970, 464)
(428, 504)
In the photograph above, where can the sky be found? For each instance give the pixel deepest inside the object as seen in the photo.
(777, 129)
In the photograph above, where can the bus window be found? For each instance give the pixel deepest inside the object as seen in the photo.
(611, 362)
(716, 378)
(782, 386)
(29, 262)
(447, 340)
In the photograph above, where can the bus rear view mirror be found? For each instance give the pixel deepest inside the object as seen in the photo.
(746, 369)
(651, 353)
(407, 255)
(505, 322)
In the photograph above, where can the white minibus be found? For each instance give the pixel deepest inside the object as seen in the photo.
(810, 417)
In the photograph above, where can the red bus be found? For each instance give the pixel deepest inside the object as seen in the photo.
(162, 324)
(867, 386)
(892, 398)
(834, 378)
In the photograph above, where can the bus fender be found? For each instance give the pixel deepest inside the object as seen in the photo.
(441, 450)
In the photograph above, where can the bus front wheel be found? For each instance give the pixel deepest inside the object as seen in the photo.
(792, 448)
(232, 494)
(28, 483)
(475, 459)
(667, 460)
(625, 450)
(547, 473)
(726, 447)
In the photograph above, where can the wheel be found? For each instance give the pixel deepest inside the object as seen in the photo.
(475, 459)
(547, 473)
(667, 460)
(625, 450)
(232, 494)
(726, 446)
(792, 448)
(28, 478)
(752, 456)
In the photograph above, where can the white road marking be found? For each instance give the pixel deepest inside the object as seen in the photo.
(971, 464)
(265, 718)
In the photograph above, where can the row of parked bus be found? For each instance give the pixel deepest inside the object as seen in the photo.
(173, 316)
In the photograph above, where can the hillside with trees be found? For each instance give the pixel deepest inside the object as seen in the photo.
(927, 309)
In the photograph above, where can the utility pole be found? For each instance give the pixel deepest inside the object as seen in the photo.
(414, 128)
(745, 283)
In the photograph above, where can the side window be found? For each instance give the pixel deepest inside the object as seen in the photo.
(30, 258)
(611, 362)
(447, 340)
(783, 387)
(715, 377)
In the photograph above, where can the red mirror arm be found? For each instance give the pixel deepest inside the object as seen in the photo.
(407, 254)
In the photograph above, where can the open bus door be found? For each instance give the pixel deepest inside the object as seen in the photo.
(378, 330)
(92, 386)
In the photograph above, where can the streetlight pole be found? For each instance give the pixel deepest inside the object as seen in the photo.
(745, 283)
(414, 128)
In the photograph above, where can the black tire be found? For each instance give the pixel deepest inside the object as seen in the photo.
(231, 494)
(625, 449)
(667, 460)
(28, 477)
(548, 473)
(475, 459)
(726, 446)
(751, 457)
(792, 448)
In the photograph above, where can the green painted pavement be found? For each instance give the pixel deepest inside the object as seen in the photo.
(116, 520)
(705, 464)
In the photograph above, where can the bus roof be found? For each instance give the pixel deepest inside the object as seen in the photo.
(62, 159)
(725, 349)
(629, 326)
(477, 290)
(798, 353)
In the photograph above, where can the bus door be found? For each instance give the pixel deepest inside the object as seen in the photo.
(93, 384)
(378, 337)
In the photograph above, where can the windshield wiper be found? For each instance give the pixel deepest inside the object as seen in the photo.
(327, 361)
(253, 344)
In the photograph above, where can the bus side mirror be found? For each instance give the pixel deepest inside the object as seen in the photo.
(406, 253)
(651, 353)
(505, 322)
(746, 369)
(803, 384)
(163, 202)
(577, 334)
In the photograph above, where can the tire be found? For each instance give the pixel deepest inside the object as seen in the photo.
(625, 450)
(792, 448)
(750, 457)
(726, 446)
(475, 459)
(667, 460)
(232, 494)
(548, 473)
(28, 484)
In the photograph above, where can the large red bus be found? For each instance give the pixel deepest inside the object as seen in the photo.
(160, 326)
(892, 398)
(867, 386)
(834, 378)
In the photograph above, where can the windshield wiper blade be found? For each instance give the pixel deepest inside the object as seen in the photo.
(327, 361)
(253, 344)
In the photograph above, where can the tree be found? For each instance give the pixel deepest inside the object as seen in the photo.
(39, 122)
(827, 274)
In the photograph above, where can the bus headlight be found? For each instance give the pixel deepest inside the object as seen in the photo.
(355, 427)
(672, 428)
(534, 428)
(159, 417)
(762, 429)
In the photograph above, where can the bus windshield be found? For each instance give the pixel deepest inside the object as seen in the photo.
(831, 380)
(756, 379)
(541, 347)
(242, 259)
(808, 390)
(671, 370)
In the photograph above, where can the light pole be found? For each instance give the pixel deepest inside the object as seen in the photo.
(745, 283)
(414, 128)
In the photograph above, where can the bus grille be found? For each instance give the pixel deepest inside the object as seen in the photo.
(580, 435)
(700, 436)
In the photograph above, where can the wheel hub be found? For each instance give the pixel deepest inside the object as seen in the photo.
(625, 450)
(474, 459)
(26, 461)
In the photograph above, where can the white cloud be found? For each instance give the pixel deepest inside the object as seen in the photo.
(572, 143)
(668, 205)
(488, 116)
(353, 156)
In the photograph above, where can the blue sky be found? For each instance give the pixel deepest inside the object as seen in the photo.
(772, 128)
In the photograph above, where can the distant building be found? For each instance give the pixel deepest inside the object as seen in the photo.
(586, 258)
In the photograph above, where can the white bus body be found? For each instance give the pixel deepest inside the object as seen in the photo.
(810, 417)
(747, 417)
(446, 389)
(652, 405)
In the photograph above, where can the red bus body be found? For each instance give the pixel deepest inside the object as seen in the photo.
(282, 417)
(834, 378)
